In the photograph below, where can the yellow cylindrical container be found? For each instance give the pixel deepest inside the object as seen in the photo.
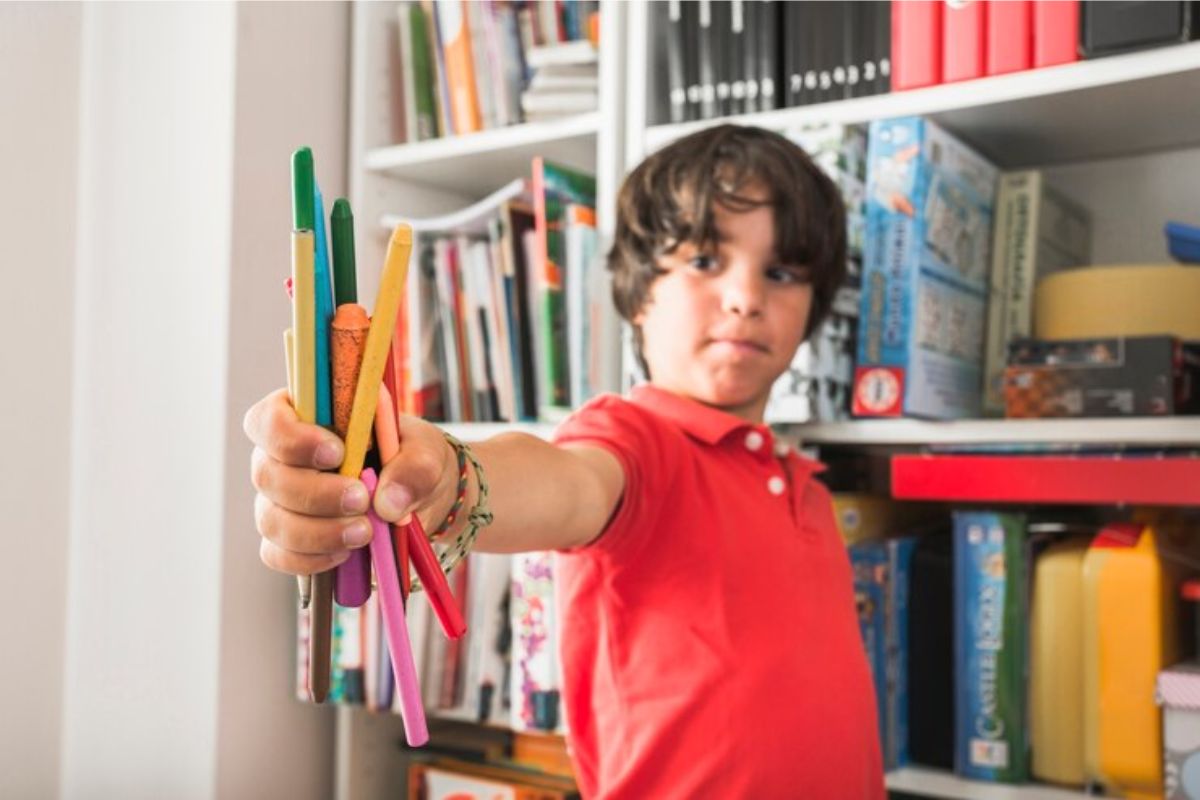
(1130, 635)
(1056, 663)
(1125, 300)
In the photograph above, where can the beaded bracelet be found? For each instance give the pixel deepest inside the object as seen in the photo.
(479, 516)
(460, 497)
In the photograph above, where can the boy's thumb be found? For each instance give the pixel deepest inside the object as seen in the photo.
(410, 480)
(393, 502)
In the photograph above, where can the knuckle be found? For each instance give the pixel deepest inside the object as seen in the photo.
(265, 517)
(260, 469)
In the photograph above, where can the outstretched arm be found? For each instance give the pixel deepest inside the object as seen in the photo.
(542, 496)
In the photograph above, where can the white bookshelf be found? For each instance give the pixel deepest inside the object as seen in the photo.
(938, 783)
(476, 163)
(1120, 133)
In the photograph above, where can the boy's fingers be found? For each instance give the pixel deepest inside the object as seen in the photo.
(307, 491)
(411, 479)
(272, 424)
(305, 535)
(282, 560)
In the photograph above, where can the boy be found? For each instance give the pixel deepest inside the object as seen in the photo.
(709, 643)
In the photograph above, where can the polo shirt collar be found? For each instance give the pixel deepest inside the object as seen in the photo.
(709, 425)
(704, 423)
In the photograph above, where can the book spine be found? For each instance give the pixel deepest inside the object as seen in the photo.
(437, 58)
(735, 57)
(676, 85)
(963, 41)
(706, 50)
(488, 82)
(424, 81)
(883, 45)
(1009, 36)
(916, 53)
(1055, 32)
(407, 66)
(691, 58)
(750, 39)
(996, 347)
(770, 18)
(460, 68)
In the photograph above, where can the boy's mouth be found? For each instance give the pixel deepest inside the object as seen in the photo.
(738, 345)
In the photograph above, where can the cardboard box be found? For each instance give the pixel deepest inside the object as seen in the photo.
(925, 273)
(1103, 377)
(1036, 232)
(990, 634)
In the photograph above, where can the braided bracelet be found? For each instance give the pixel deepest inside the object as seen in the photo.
(479, 516)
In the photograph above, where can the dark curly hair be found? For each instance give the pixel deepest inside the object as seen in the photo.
(668, 200)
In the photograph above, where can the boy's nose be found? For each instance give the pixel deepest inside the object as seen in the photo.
(742, 293)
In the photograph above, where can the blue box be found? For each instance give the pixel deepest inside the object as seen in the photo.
(1183, 241)
(991, 739)
(881, 580)
(925, 273)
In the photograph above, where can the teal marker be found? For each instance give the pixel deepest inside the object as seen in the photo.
(341, 223)
(323, 307)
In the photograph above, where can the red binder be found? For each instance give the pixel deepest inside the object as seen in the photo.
(916, 44)
(963, 41)
(1055, 32)
(1009, 36)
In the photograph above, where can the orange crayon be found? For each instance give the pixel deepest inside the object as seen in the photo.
(348, 342)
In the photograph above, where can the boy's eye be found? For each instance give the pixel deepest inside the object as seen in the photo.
(782, 274)
(702, 262)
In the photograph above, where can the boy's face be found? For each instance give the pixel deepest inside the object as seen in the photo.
(722, 324)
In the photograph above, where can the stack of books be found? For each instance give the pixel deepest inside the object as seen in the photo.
(564, 81)
(461, 67)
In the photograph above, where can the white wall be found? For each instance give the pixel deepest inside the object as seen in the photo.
(292, 90)
(179, 645)
(39, 95)
(148, 410)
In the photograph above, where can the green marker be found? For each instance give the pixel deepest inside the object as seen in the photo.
(341, 223)
(303, 215)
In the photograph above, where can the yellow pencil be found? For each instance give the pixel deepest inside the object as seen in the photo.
(379, 339)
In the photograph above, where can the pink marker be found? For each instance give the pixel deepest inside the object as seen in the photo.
(392, 609)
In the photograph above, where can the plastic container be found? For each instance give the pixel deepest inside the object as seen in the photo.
(1183, 241)
(1056, 663)
(1179, 696)
(1129, 636)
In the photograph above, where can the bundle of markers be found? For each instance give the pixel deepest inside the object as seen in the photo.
(338, 377)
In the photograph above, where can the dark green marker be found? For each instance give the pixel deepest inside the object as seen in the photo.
(303, 215)
(341, 224)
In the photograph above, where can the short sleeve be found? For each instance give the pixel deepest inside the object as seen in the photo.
(643, 444)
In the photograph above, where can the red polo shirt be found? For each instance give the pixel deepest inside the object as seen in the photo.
(709, 640)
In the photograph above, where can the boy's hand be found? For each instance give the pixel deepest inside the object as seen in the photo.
(309, 519)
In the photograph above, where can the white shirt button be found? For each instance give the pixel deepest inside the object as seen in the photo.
(776, 485)
(754, 440)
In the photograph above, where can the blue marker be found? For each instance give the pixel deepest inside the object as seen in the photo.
(323, 306)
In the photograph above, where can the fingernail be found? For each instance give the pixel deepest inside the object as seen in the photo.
(355, 499)
(357, 533)
(329, 455)
(395, 501)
